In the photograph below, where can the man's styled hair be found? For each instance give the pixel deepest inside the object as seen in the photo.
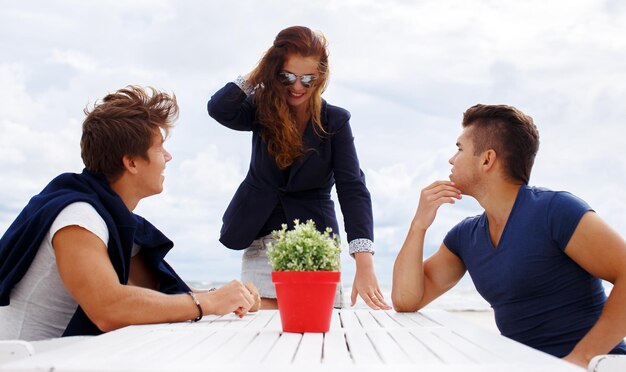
(509, 132)
(124, 123)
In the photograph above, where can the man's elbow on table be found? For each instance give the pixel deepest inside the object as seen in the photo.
(106, 325)
(111, 312)
(404, 302)
(106, 321)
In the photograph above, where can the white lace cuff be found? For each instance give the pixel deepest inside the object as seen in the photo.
(244, 85)
(360, 245)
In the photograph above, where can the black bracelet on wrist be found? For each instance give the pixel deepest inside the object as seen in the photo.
(195, 299)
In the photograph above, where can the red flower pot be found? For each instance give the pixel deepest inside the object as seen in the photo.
(305, 299)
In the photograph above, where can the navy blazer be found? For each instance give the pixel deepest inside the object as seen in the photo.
(305, 193)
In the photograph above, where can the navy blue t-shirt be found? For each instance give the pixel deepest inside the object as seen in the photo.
(539, 295)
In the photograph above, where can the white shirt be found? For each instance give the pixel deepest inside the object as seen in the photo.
(40, 306)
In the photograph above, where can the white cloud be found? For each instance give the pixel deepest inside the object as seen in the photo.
(75, 59)
(209, 174)
(15, 102)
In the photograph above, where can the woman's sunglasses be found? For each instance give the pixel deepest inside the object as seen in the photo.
(287, 78)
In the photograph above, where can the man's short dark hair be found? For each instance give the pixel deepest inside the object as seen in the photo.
(509, 132)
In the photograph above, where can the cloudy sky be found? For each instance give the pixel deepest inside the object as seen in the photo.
(406, 70)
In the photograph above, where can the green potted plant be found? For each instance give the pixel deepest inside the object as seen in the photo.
(305, 272)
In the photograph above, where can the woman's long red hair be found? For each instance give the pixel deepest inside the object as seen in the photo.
(280, 131)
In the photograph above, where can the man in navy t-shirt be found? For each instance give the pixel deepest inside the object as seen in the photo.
(535, 255)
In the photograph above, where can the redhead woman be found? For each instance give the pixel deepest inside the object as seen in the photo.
(301, 147)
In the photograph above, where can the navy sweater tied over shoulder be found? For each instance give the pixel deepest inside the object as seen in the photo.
(19, 244)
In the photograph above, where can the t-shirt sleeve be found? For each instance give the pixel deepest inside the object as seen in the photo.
(564, 214)
(84, 215)
(451, 241)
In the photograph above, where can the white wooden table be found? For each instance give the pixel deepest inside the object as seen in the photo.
(359, 340)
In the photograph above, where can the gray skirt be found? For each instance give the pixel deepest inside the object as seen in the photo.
(256, 268)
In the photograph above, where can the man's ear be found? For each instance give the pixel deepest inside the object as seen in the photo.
(129, 164)
(489, 159)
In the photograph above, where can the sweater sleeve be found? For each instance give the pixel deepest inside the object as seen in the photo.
(354, 197)
(231, 107)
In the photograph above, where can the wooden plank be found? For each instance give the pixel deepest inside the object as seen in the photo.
(233, 321)
(446, 352)
(366, 319)
(335, 350)
(284, 350)
(165, 348)
(128, 338)
(422, 319)
(232, 348)
(426, 321)
(389, 350)
(190, 344)
(258, 349)
(349, 319)
(208, 319)
(208, 346)
(384, 318)
(361, 349)
(213, 322)
(310, 349)
(335, 321)
(259, 320)
(173, 326)
(418, 353)
(274, 324)
(89, 349)
(402, 319)
(512, 350)
(15, 349)
(413, 320)
(473, 351)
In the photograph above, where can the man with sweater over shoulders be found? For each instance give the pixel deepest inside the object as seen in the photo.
(536, 255)
(78, 261)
